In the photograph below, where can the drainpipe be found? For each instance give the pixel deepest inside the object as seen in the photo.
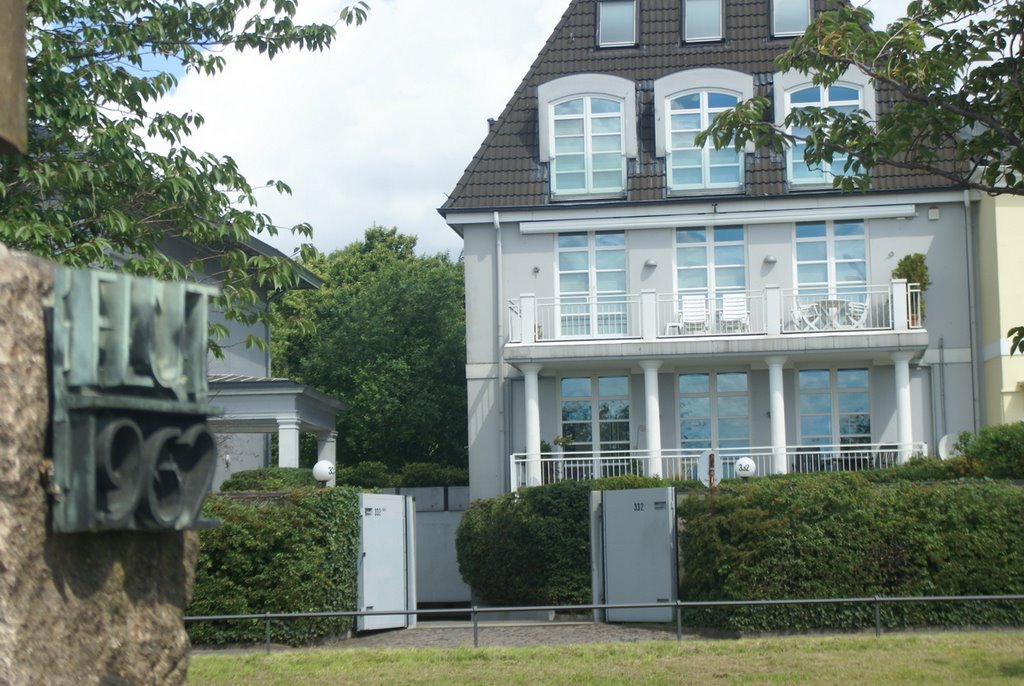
(972, 313)
(501, 314)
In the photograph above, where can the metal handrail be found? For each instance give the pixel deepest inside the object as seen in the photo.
(475, 610)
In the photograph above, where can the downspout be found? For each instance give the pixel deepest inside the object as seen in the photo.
(500, 351)
(972, 312)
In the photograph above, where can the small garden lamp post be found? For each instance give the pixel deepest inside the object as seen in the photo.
(323, 471)
(745, 468)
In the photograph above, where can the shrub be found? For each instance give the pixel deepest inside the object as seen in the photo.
(269, 479)
(929, 469)
(368, 474)
(533, 547)
(417, 474)
(999, 450)
(295, 553)
(843, 536)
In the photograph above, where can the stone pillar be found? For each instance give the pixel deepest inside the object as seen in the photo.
(327, 449)
(778, 414)
(532, 393)
(653, 407)
(904, 426)
(90, 608)
(288, 442)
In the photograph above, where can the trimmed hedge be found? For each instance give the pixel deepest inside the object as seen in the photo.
(363, 475)
(293, 553)
(998, 449)
(533, 547)
(269, 479)
(842, 536)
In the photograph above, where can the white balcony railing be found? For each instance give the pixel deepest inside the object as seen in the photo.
(544, 468)
(774, 311)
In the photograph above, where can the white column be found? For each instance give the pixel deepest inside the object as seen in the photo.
(287, 441)
(778, 414)
(327, 449)
(530, 374)
(904, 429)
(653, 407)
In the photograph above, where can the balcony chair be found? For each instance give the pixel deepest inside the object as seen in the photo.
(693, 316)
(806, 315)
(856, 314)
(734, 317)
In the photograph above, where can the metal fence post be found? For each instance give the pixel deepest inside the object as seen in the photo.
(476, 629)
(267, 616)
(878, 618)
(679, 621)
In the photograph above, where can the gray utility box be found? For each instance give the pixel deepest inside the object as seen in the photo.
(633, 552)
(387, 560)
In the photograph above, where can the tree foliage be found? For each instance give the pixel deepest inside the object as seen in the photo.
(93, 188)
(955, 71)
(390, 341)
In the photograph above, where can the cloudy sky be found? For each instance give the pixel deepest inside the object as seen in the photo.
(379, 128)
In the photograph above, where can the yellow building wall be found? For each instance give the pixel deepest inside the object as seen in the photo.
(1001, 294)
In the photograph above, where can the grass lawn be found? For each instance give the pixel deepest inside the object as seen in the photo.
(989, 657)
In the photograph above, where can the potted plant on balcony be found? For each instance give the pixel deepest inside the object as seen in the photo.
(913, 268)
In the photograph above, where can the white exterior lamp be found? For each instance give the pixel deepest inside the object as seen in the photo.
(323, 471)
(745, 468)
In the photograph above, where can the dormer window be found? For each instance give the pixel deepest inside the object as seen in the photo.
(790, 17)
(702, 20)
(587, 132)
(852, 92)
(685, 103)
(616, 23)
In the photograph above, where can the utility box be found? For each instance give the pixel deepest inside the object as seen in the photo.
(633, 552)
(387, 560)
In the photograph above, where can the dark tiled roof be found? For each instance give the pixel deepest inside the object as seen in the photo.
(506, 171)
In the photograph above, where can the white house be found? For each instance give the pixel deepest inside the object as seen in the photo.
(642, 300)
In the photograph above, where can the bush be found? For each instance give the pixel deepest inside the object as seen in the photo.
(269, 479)
(296, 553)
(533, 547)
(999, 450)
(366, 475)
(418, 474)
(929, 469)
(842, 536)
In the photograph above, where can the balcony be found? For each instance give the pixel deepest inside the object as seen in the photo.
(770, 312)
(545, 468)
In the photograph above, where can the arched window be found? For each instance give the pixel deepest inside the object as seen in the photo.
(842, 98)
(589, 155)
(691, 167)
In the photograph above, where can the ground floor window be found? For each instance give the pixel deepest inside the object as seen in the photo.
(595, 420)
(835, 406)
(714, 410)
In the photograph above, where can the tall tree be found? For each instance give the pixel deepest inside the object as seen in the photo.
(390, 341)
(91, 188)
(955, 71)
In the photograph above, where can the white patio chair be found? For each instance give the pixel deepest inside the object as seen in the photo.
(693, 316)
(734, 315)
(806, 315)
(856, 313)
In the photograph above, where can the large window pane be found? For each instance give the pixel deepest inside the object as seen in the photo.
(617, 22)
(790, 16)
(703, 19)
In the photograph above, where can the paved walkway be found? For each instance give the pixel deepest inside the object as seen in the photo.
(507, 634)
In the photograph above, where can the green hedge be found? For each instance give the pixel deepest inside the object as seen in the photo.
(294, 553)
(269, 479)
(843, 536)
(998, 449)
(533, 547)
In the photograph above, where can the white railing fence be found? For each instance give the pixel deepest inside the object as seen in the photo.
(551, 467)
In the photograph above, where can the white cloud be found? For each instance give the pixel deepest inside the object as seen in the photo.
(381, 126)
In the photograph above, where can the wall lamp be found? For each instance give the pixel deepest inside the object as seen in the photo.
(770, 259)
(650, 262)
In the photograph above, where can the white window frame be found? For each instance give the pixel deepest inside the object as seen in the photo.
(603, 313)
(687, 38)
(690, 80)
(597, 447)
(707, 115)
(834, 392)
(775, 6)
(788, 83)
(714, 394)
(601, 42)
(711, 266)
(832, 288)
(586, 86)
